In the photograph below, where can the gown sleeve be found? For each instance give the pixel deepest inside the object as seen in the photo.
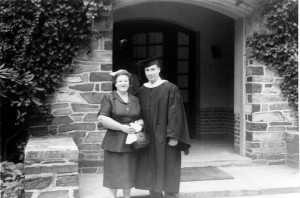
(106, 106)
(177, 127)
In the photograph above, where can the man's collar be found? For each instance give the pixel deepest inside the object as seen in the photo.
(155, 84)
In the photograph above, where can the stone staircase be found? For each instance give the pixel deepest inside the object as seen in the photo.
(277, 181)
(250, 181)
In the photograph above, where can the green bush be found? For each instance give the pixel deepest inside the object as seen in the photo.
(38, 41)
(11, 180)
(277, 45)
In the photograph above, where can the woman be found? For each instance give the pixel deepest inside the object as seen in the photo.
(118, 110)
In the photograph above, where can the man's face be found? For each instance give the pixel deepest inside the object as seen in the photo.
(152, 73)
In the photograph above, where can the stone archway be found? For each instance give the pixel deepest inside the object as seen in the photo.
(229, 9)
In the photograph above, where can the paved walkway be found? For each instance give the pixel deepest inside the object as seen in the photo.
(249, 181)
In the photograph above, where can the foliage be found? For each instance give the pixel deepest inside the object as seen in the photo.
(38, 41)
(277, 45)
(11, 179)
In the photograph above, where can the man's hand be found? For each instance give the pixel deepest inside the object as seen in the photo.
(173, 142)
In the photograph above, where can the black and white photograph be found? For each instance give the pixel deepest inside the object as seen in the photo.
(149, 99)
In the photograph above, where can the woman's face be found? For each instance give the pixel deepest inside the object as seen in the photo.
(122, 83)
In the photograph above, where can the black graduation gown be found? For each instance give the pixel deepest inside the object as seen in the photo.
(164, 117)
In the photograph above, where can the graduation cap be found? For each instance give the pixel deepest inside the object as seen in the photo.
(149, 62)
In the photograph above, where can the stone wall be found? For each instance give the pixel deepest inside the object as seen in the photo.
(272, 133)
(76, 103)
(215, 123)
(51, 168)
(237, 131)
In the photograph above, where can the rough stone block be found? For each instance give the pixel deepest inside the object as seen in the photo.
(69, 96)
(90, 117)
(290, 117)
(249, 136)
(292, 129)
(271, 156)
(292, 147)
(106, 86)
(38, 121)
(60, 112)
(37, 183)
(94, 137)
(255, 108)
(84, 69)
(67, 180)
(264, 137)
(272, 89)
(89, 170)
(100, 77)
(266, 98)
(57, 194)
(49, 168)
(251, 145)
(92, 97)
(278, 82)
(86, 63)
(72, 79)
(277, 162)
(259, 71)
(256, 126)
(264, 107)
(106, 67)
(90, 164)
(40, 131)
(83, 87)
(101, 55)
(77, 126)
(268, 85)
(253, 88)
(279, 123)
(97, 87)
(267, 117)
(78, 137)
(84, 108)
(59, 106)
(108, 44)
(260, 79)
(76, 193)
(292, 137)
(271, 72)
(277, 128)
(61, 120)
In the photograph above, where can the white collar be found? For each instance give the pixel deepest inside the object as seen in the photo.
(155, 84)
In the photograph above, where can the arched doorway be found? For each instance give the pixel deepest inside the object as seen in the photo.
(174, 45)
(217, 73)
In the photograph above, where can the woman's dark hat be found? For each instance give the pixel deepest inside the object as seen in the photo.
(149, 62)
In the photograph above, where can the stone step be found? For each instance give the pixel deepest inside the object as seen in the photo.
(255, 181)
(287, 195)
(229, 160)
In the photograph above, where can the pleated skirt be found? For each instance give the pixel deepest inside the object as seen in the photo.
(119, 170)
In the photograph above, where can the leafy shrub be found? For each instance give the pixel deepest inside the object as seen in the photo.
(38, 41)
(11, 179)
(277, 45)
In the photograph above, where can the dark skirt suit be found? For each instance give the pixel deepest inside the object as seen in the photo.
(119, 159)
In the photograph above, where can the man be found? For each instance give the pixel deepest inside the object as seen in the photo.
(164, 117)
